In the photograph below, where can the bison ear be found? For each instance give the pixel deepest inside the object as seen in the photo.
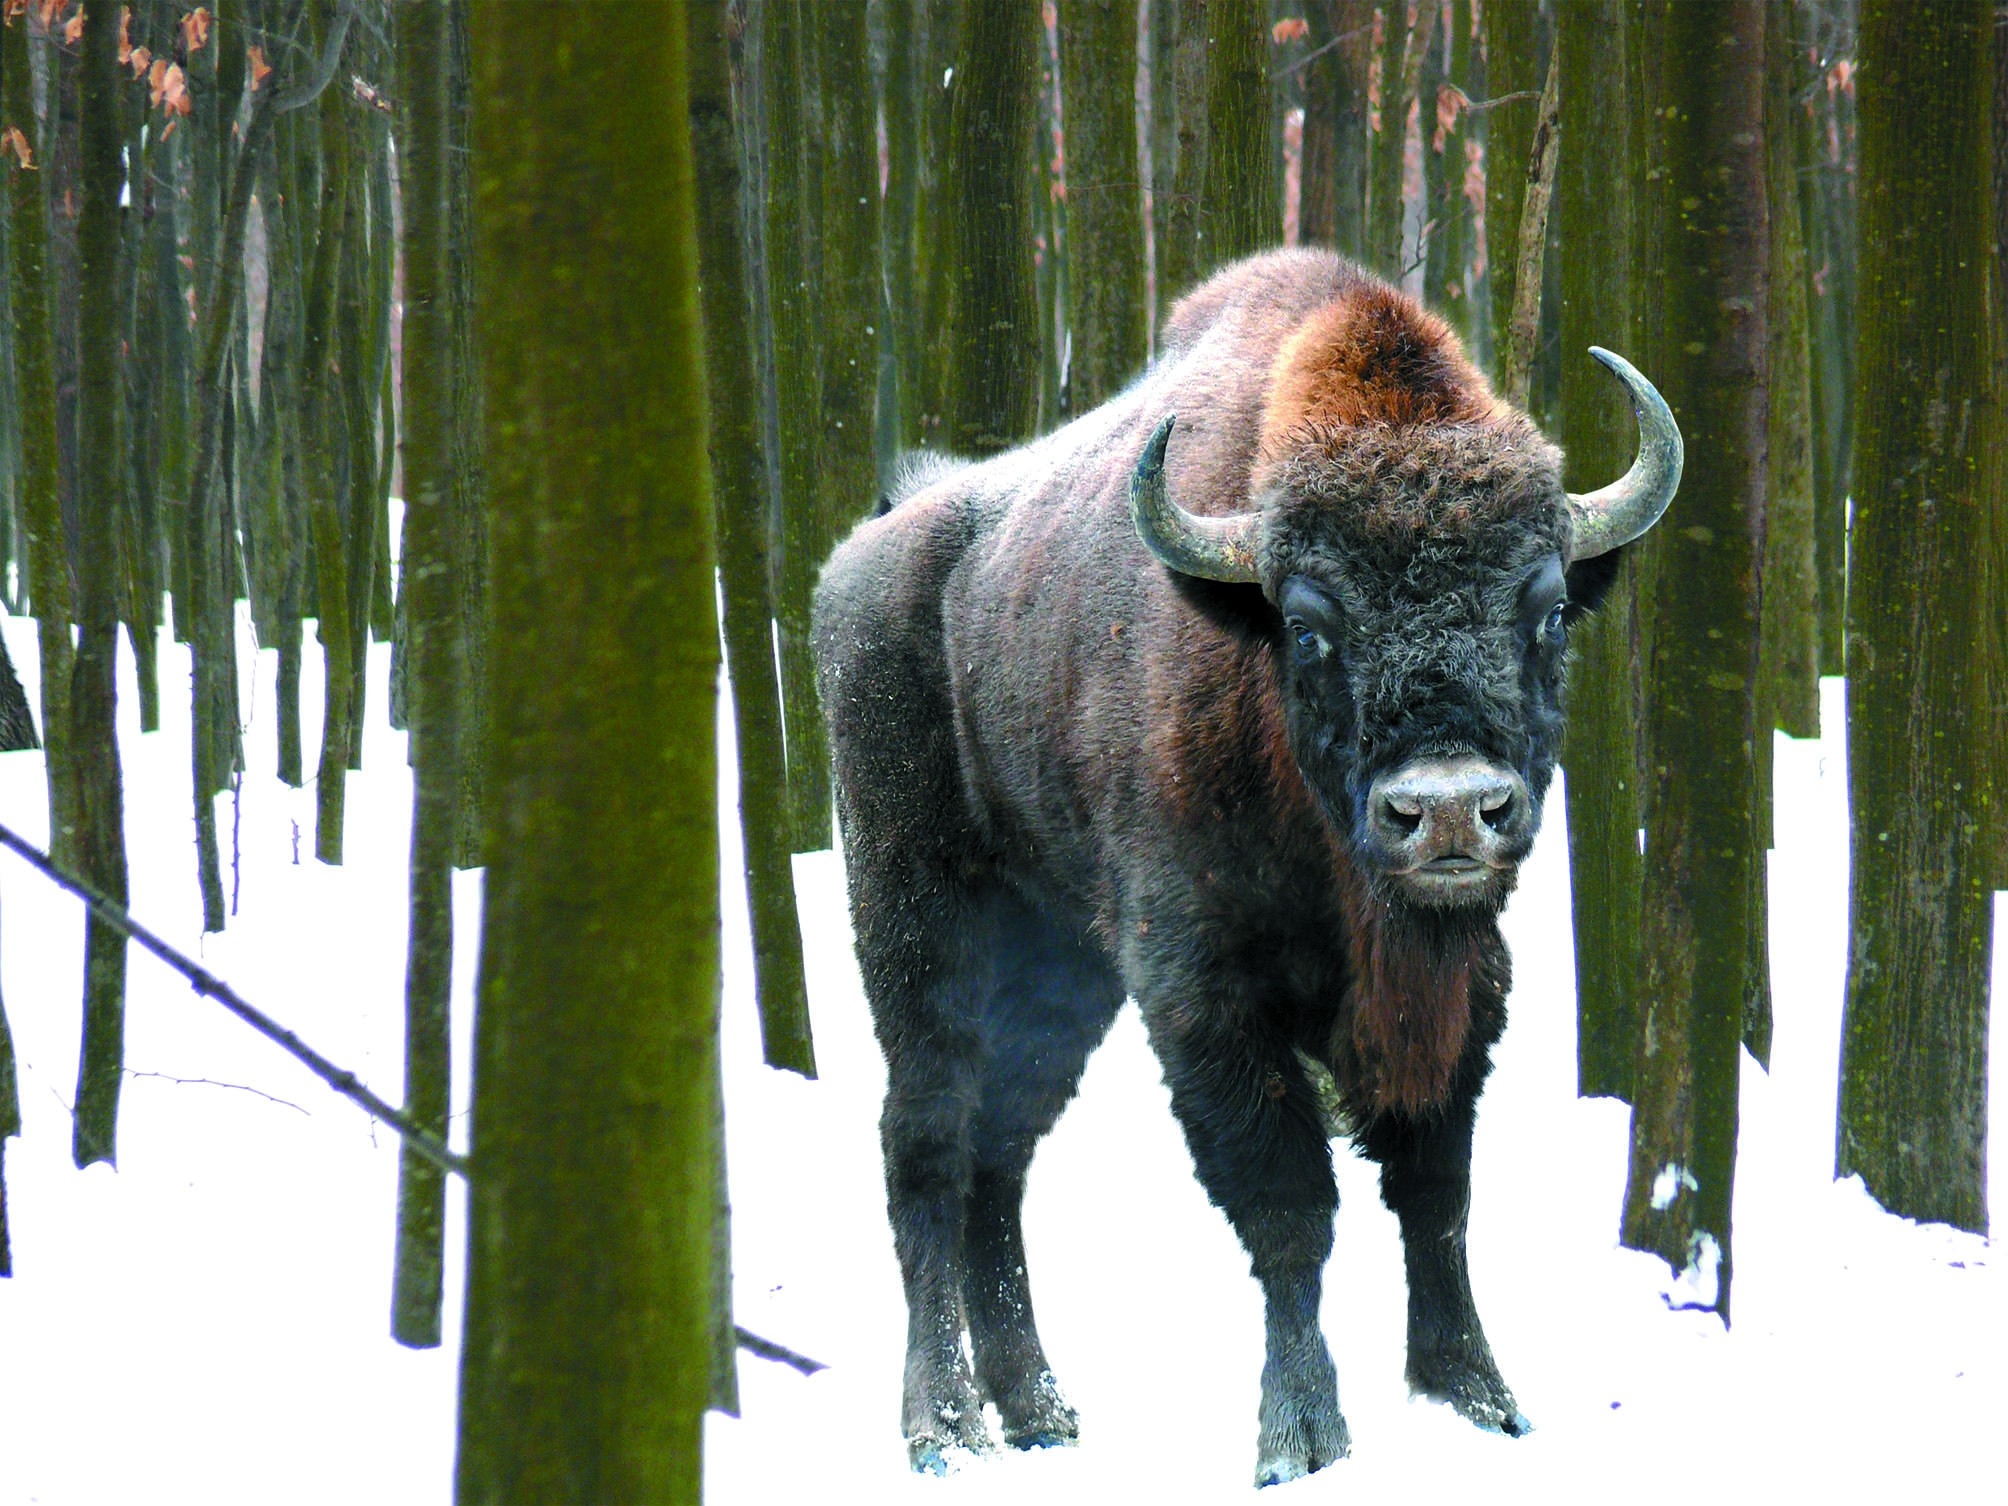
(1590, 580)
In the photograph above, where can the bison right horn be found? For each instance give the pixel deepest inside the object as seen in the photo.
(1618, 513)
(1214, 548)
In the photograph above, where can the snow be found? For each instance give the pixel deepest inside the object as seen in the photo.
(208, 1322)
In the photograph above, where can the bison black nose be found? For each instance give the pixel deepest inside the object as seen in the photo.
(1448, 817)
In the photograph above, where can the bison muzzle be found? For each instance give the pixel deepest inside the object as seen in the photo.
(1240, 696)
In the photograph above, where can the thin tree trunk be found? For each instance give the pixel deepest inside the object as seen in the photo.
(432, 605)
(1519, 340)
(1791, 581)
(1449, 132)
(798, 394)
(1913, 1098)
(10, 1099)
(588, 1357)
(100, 849)
(1399, 91)
(1107, 312)
(992, 393)
(1702, 660)
(47, 557)
(1601, 755)
(852, 279)
(322, 432)
(738, 479)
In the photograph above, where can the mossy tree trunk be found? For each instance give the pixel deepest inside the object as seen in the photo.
(435, 654)
(41, 518)
(1703, 657)
(588, 1354)
(1333, 203)
(1913, 1097)
(991, 335)
(1178, 97)
(1515, 64)
(1401, 81)
(1824, 137)
(789, 29)
(100, 847)
(1446, 133)
(852, 303)
(739, 488)
(1240, 200)
(1791, 673)
(1601, 756)
(1107, 311)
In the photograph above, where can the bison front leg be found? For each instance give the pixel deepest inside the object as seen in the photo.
(1261, 1152)
(1426, 1181)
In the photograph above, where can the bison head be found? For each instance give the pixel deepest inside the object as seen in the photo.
(1423, 577)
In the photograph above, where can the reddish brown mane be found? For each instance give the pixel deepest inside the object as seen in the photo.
(1373, 357)
(1411, 1010)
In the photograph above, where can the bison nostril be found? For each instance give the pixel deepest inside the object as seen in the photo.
(1495, 807)
(1404, 816)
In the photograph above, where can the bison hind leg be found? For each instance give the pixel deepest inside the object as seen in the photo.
(1053, 998)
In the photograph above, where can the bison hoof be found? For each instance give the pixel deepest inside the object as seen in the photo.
(1477, 1394)
(948, 1434)
(1039, 1417)
(1302, 1430)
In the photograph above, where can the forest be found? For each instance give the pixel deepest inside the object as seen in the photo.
(553, 349)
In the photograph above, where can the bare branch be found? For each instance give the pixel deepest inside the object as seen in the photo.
(208, 984)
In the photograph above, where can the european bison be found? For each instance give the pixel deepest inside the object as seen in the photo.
(1250, 717)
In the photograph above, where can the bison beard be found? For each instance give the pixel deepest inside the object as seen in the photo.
(1274, 783)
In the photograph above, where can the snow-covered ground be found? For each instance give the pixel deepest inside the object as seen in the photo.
(209, 1321)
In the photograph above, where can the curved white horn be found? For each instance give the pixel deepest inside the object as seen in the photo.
(1215, 548)
(1618, 513)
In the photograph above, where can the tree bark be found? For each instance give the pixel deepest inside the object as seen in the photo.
(1241, 200)
(47, 555)
(1515, 64)
(1791, 673)
(587, 1360)
(1179, 96)
(738, 483)
(1601, 754)
(798, 393)
(100, 847)
(992, 335)
(1333, 206)
(1399, 91)
(1913, 1098)
(433, 646)
(1702, 663)
(1107, 311)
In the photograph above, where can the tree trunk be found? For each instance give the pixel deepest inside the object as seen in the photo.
(47, 556)
(1913, 1100)
(1601, 755)
(1333, 207)
(1179, 96)
(323, 431)
(1515, 64)
(433, 647)
(1446, 133)
(1702, 660)
(100, 848)
(992, 334)
(1399, 92)
(587, 1360)
(798, 393)
(1241, 200)
(1791, 672)
(738, 481)
(1107, 311)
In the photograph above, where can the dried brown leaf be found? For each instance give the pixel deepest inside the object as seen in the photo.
(195, 29)
(1289, 29)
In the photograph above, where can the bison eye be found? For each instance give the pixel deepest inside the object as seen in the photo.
(1554, 623)
(1310, 644)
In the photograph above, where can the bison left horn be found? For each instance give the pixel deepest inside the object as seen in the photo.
(1624, 510)
(1215, 548)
